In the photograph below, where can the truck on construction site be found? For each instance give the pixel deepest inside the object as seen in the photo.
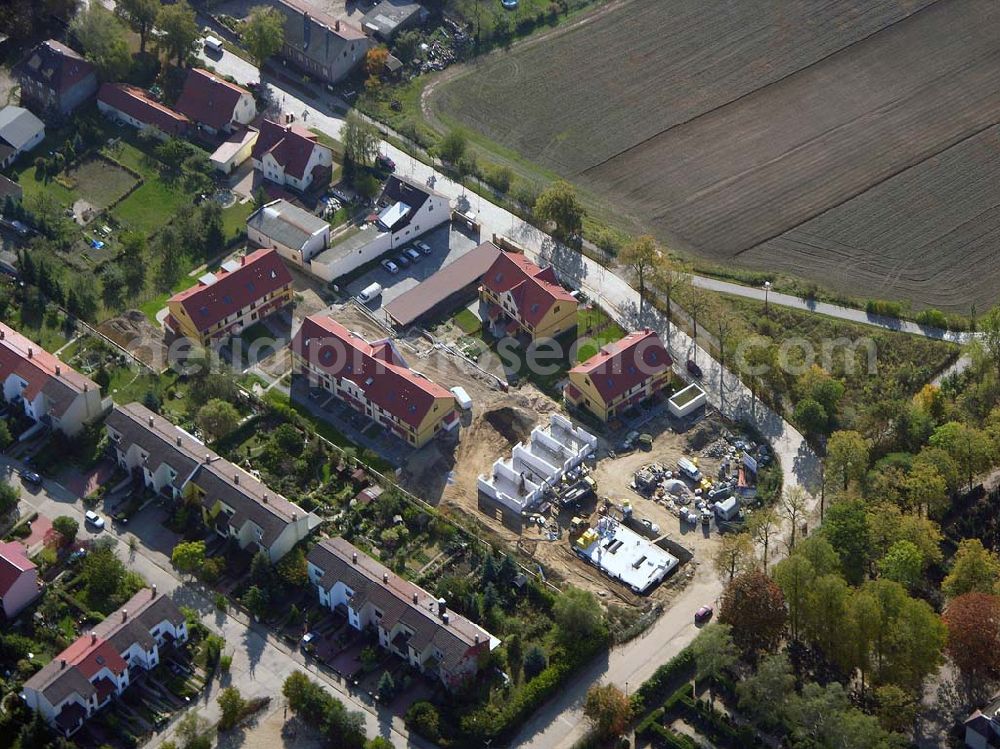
(572, 495)
(689, 470)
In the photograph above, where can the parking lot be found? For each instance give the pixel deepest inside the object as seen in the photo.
(447, 243)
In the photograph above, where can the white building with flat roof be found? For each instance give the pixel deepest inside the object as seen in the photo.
(624, 555)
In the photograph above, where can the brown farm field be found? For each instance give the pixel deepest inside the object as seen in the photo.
(848, 141)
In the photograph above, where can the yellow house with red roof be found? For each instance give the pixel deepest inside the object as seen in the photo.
(620, 375)
(373, 379)
(236, 296)
(521, 298)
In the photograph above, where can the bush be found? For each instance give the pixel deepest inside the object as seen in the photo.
(884, 308)
(423, 718)
(934, 318)
(655, 688)
(67, 527)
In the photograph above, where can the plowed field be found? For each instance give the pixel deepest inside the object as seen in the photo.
(732, 129)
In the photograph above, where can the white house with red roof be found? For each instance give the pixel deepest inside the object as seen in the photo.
(291, 155)
(49, 391)
(134, 106)
(374, 379)
(215, 104)
(18, 579)
(100, 665)
(620, 375)
(520, 298)
(242, 292)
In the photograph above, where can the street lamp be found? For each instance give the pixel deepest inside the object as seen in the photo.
(767, 288)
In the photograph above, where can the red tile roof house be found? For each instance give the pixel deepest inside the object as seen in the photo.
(410, 622)
(620, 375)
(55, 79)
(290, 155)
(243, 291)
(100, 665)
(215, 104)
(518, 297)
(373, 379)
(18, 579)
(49, 391)
(135, 107)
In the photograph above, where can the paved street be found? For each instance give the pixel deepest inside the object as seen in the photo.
(260, 662)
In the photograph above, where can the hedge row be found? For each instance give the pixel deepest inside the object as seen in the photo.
(656, 688)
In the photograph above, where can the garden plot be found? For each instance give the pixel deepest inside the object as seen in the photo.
(98, 182)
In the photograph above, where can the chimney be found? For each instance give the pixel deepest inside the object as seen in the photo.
(124, 615)
(442, 608)
(444, 618)
(154, 591)
(336, 25)
(1, 335)
(93, 637)
(178, 440)
(385, 577)
(208, 458)
(295, 516)
(62, 661)
(476, 638)
(415, 601)
(354, 557)
(264, 499)
(236, 479)
(151, 423)
(58, 370)
(30, 352)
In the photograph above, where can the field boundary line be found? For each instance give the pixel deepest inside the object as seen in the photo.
(775, 82)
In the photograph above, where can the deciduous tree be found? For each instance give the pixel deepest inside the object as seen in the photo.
(102, 37)
(578, 616)
(67, 527)
(846, 528)
(903, 563)
(452, 146)
(794, 502)
(974, 569)
(263, 33)
(734, 555)
(640, 256)
(559, 204)
(140, 15)
(762, 526)
(795, 575)
(608, 709)
(232, 705)
(179, 29)
(973, 624)
(764, 693)
(971, 448)
(188, 556)
(217, 418)
(846, 457)
(754, 606)
(714, 651)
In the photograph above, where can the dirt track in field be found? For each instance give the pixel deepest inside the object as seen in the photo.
(785, 135)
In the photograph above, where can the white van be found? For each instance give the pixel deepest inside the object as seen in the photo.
(462, 398)
(213, 45)
(369, 293)
(689, 469)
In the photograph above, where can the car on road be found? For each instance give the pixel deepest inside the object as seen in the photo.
(402, 260)
(92, 518)
(703, 614)
(423, 247)
(384, 162)
(390, 266)
(414, 256)
(693, 368)
(30, 477)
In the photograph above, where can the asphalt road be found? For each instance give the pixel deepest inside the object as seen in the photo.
(260, 662)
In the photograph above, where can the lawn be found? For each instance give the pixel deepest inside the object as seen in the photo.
(468, 322)
(32, 185)
(234, 218)
(99, 182)
(151, 206)
(595, 324)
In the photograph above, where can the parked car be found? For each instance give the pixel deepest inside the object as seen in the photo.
(423, 247)
(390, 266)
(703, 614)
(384, 162)
(629, 442)
(413, 255)
(30, 477)
(402, 260)
(693, 368)
(92, 518)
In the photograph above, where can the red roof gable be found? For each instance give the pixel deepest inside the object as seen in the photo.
(534, 289)
(620, 366)
(376, 369)
(208, 99)
(136, 103)
(55, 65)
(90, 654)
(35, 365)
(260, 273)
(290, 145)
(14, 562)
